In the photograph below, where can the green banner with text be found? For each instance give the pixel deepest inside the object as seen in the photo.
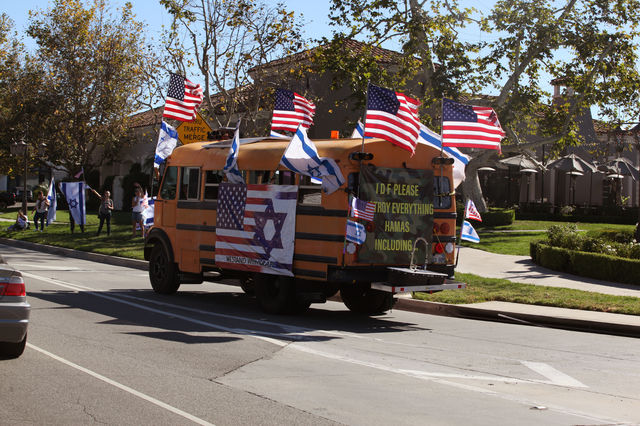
(404, 212)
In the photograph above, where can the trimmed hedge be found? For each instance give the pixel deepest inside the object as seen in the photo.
(491, 218)
(593, 265)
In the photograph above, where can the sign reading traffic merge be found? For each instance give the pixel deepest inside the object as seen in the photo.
(404, 212)
(193, 131)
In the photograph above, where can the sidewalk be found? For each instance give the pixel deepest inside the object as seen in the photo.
(513, 268)
(521, 269)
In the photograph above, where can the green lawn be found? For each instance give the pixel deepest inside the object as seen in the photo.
(481, 289)
(507, 239)
(119, 243)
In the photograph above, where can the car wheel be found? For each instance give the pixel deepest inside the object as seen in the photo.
(163, 273)
(10, 350)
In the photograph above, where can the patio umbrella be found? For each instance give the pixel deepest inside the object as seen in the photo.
(572, 163)
(623, 166)
(523, 161)
(574, 166)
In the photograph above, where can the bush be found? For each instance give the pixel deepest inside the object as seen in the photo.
(593, 265)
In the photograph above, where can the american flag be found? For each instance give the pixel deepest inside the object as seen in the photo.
(362, 209)
(255, 228)
(469, 126)
(291, 110)
(393, 117)
(182, 99)
(471, 212)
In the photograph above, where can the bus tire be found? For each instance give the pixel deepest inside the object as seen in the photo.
(361, 299)
(248, 285)
(163, 272)
(277, 295)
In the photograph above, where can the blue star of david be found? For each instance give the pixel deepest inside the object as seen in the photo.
(261, 219)
(313, 171)
(73, 203)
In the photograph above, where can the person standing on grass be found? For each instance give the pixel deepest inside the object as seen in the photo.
(136, 211)
(104, 212)
(40, 211)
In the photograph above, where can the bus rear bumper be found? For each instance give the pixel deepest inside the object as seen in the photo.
(396, 288)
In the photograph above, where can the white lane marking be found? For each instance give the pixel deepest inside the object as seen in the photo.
(122, 387)
(556, 377)
(300, 347)
(290, 329)
(158, 311)
(44, 266)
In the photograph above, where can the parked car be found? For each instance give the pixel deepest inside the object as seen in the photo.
(14, 312)
(19, 194)
(7, 199)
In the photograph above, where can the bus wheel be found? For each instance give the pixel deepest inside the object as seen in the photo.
(277, 295)
(163, 273)
(362, 299)
(248, 285)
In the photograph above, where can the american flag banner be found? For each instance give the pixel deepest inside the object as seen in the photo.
(362, 209)
(182, 99)
(291, 110)
(471, 212)
(468, 126)
(255, 228)
(393, 117)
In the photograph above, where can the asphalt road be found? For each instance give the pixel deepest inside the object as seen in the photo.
(103, 348)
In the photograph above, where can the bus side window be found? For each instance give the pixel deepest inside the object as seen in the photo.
(212, 179)
(441, 192)
(309, 192)
(190, 183)
(169, 183)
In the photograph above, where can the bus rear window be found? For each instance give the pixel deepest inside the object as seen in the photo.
(169, 184)
(442, 192)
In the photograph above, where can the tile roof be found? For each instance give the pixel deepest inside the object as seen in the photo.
(385, 56)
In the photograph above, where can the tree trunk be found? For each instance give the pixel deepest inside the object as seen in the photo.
(471, 187)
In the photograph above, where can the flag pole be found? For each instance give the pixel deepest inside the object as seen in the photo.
(442, 127)
(364, 123)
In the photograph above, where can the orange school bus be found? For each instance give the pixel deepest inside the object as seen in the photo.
(406, 239)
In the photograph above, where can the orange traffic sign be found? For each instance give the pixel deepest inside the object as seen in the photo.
(193, 131)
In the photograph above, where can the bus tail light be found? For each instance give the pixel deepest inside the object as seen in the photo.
(445, 228)
(439, 248)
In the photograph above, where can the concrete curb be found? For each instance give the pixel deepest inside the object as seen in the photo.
(468, 312)
(77, 254)
(403, 304)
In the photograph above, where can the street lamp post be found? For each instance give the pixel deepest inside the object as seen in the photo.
(20, 149)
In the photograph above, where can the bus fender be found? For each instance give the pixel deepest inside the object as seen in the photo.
(157, 236)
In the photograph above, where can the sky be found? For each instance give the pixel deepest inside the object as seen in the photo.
(315, 14)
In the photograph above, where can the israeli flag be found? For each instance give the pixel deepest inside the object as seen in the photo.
(358, 132)
(273, 134)
(468, 233)
(231, 165)
(301, 156)
(51, 196)
(460, 161)
(149, 212)
(74, 193)
(167, 141)
(356, 232)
